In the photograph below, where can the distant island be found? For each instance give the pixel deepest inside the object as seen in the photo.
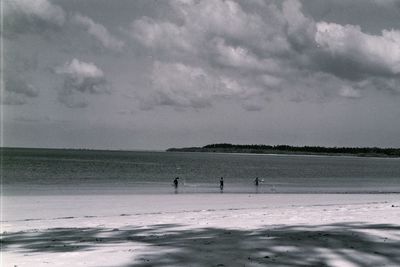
(286, 149)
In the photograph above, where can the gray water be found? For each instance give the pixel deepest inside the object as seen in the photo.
(45, 171)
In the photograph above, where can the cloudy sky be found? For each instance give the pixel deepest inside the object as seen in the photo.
(153, 74)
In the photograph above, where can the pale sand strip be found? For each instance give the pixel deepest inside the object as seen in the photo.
(202, 230)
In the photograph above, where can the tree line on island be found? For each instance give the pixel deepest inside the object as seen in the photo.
(286, 149)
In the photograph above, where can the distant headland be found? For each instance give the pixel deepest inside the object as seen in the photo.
(286, 149)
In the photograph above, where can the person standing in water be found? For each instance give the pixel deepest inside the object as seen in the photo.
(221, 184)
(257, 183)
(176, 182)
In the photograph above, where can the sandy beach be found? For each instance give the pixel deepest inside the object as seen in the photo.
(188, 133)
(202, 230)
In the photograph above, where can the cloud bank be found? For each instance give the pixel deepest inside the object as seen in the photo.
(202, 52)
(210, 50)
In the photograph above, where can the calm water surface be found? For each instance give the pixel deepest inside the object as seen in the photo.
(44, 171)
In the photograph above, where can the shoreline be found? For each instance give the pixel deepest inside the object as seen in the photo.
(45, 206)
(27, 208)
(234, 189)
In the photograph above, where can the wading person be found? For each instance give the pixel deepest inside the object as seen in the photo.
(257, 181)
(221, 184)
(176, 182)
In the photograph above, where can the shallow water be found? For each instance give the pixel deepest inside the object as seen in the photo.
(44, 171)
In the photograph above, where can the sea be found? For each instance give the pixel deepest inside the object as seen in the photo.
(26, 171)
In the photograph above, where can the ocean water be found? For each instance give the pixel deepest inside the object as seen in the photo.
(48, 171)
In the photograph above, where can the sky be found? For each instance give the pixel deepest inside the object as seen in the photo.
(154, 74)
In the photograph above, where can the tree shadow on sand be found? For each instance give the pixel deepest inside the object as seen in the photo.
(276, 245)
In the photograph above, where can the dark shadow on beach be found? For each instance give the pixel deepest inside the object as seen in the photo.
(274, 245)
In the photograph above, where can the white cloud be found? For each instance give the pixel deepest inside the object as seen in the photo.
(185, 86)
(80, 69)
(248, 50)
(374, 53)
(80, 79)
(161, 35)
(349, 92)
(230, 21)
(99, 32)
(42, 9)
(300, 29)
(225, 18)
(197, 22)
(220, 38)
(234, 56)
